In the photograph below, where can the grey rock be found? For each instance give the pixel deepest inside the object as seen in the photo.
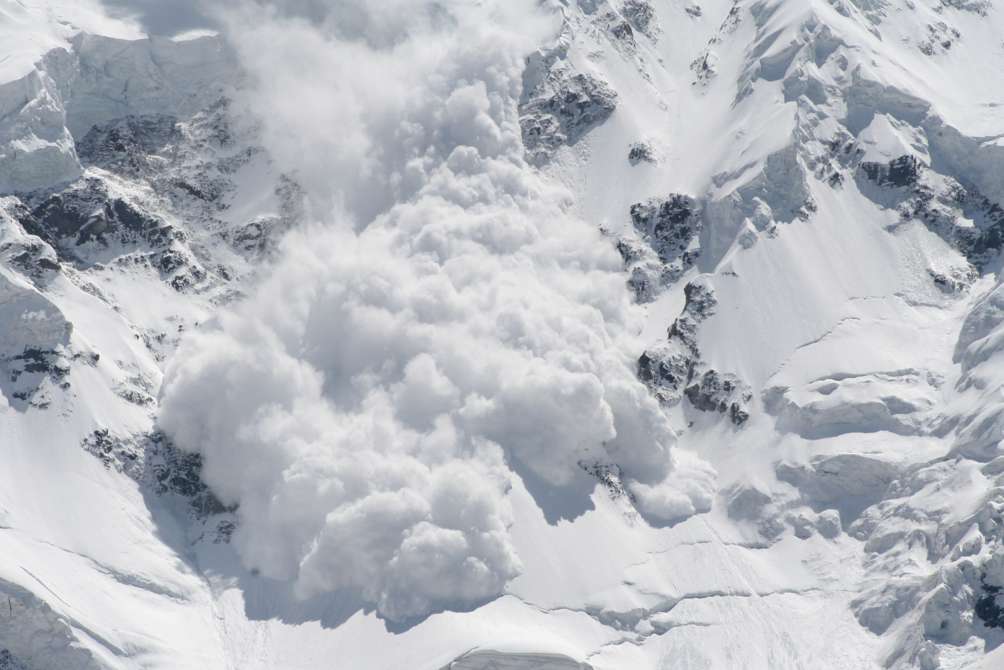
(722, 393)
(561, 107)
(669, 226)
(955, 281)
(670, 368)
(898, 173)
(155, 463)
(668, 230)
(979, 7)
(641, 152)
(641, 15)
(940, 39)
(666, 369)
(129, 142)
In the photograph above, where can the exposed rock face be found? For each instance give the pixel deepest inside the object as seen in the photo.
(940, 39)
(647, 275)
(86, 224)
(560, 106)
(69, 91)
(723, 393)
(989, 605)
(128, 144)
(963, 216)
(840, 246)
(30, 371)
(955, 281)
(641, 152)
(898, 173)
(673, 369)
(668, 367)
(667, 232)
(87, 213)
(153, 462)
(194, 166)
(28, 254)
(641, 15)
(705, 65)
(125, 227)
(34, 351)
(670, 227)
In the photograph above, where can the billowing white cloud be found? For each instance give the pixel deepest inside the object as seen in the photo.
(446, 320)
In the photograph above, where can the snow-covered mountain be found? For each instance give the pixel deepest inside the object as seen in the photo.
(545, 334)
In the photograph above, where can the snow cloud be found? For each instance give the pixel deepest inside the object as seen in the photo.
(444, 323)
(161, 17)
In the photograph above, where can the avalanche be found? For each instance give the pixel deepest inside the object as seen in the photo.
(566, 334)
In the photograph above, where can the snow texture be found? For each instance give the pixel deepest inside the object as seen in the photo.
(539, 334)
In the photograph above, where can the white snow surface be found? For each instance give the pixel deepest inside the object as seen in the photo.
(304, 364)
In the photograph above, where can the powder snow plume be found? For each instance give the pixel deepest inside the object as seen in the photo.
(444, 324)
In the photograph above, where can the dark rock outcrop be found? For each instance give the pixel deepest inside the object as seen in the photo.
(668, 231)
(669, 226)
(641, 15)
(87, 212)
(990, 605)
(723, 393)
(959, 214)
(30, 372)
(673, 369)
(640, 152)
(669, 367)
(647, 275)
(900, 172)
(666, 369)
(155, 463)
(86, 225)
(128, 144)
(561, 107)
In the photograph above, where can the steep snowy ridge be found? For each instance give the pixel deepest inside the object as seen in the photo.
(779, 235)
(122, 235)
(94, 80)
(786, 453)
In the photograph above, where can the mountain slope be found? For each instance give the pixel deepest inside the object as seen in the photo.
(645, 334)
